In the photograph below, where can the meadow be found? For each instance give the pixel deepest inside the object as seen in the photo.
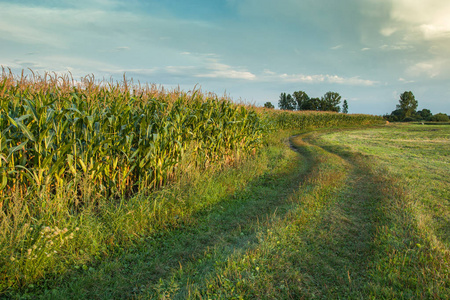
(116, 190)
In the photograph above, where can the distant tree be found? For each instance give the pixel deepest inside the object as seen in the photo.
(440, 117)
(330, 102)
(268, 105)
(345, 107)
(302, 99)
(424, 114)
(286, 102)
(312, 104)
(396, 116)
(407, 104)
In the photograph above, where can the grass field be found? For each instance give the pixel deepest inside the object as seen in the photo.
(351, 213)
(88, 169)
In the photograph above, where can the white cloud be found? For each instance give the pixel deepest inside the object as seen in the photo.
(180, 70)
(430, 69)
(350, 81)
(430, 18)
(431, 31)
(337, 47)
(216, 69)
(268, 72)
(405, 80)
(388, 31)
(320, 78)
(302, 78)
(396, 47)
(207, 68)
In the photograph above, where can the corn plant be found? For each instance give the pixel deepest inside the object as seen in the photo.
(121, 140)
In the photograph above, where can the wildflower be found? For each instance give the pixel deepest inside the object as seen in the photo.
(29, 252)
(34, 247)
(12, 258)
(76, 228)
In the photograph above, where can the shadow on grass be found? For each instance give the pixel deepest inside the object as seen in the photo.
(171, 257)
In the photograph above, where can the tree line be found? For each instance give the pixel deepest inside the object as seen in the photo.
(406, 111)
(301, 101)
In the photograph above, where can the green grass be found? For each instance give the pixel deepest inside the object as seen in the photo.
(351, 213)
(413, 240)
(214, 212)
(371, 223)
(418, 156)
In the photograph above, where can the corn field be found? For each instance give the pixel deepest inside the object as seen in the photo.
(121, 138)
(284, 120)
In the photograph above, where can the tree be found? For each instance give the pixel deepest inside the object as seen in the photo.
(268, 105)
(395, 116)
(407, 104)
(440, 117)
(424, 114)
(311, 104)
(302, 99)
(286, 102)
(330, 102)
(345, 107)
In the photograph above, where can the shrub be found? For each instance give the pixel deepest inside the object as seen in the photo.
(440, 117)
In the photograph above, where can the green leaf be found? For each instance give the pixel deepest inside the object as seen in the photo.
(25, 131)
(4, 181)
(31, 106)
(16, 148)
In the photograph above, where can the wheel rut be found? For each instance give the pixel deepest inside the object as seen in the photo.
(341, 242)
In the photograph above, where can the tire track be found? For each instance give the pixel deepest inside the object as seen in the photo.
(340, 244)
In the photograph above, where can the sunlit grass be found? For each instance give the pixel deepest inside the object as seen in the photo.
(411, 163)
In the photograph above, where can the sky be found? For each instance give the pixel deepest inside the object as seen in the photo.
(369, 51)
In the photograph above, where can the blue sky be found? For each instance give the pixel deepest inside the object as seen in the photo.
(369, 51)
